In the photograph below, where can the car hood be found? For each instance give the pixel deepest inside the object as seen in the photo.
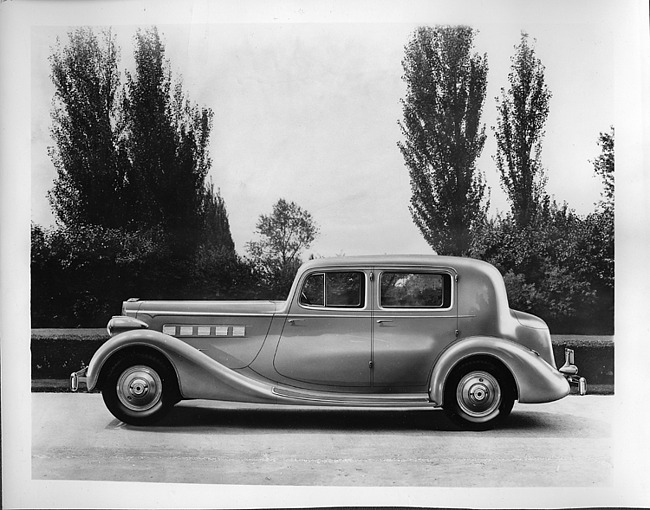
(153, 308)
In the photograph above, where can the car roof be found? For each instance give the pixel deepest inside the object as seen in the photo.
(392, 260)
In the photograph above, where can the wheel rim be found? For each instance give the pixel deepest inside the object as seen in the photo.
(479, 395)
(139, 388)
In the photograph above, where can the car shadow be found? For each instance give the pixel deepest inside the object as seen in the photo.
(204, 418)
(306, 419)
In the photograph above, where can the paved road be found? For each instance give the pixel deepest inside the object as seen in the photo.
(75, 438)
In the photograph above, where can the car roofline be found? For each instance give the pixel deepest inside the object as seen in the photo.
(391, 260)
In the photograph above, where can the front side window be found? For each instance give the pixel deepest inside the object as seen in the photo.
(415, 290)
(313, 291)
(345, 289)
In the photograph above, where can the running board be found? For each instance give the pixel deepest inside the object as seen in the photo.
(337, 399)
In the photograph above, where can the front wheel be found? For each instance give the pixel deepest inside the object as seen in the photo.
(140, 390)
(479, 395)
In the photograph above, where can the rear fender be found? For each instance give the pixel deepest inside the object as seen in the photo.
(535, 379)
(199, 376)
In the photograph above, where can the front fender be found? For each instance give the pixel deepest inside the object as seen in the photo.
(199, 376)
(536, 380)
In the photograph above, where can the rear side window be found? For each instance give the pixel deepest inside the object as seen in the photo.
(415, 290)
(344, 289)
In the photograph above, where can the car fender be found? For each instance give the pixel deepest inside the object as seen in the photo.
(199, 376)
(535, 379)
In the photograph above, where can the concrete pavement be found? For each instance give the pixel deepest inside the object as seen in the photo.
(75, 438)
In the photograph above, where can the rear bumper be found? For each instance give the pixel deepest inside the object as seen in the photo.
(78, 377)
(570, 371)
(580, 382)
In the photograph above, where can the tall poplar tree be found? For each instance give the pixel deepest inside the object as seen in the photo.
(522, 113)
(215, 232)
(167, 144)
(443, 135)
(91, 167)
(134, 211)
(135, 156)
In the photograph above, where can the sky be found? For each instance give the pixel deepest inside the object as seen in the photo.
(309, 112)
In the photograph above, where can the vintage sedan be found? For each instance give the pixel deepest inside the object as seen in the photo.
(375, 331)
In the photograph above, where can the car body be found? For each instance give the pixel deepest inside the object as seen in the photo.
(376, 331)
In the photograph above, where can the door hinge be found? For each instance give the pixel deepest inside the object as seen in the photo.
(372, 276)
(457, 333)
(371, 364)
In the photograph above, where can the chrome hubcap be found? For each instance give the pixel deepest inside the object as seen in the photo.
(479, 395)
(139, 388)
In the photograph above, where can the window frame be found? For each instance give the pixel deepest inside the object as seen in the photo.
(446, 274)
(325, 306)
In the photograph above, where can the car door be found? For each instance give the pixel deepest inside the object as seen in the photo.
(326, 338)
(415, 318)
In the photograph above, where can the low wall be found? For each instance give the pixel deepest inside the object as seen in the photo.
(58, 352)
(594, 357)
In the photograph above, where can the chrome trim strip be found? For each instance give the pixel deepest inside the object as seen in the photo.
(206, 314)
(421, 399)
(367, 314)
(405, 316)
(315, 308)
(296, 316)
(205, 330)
(376, 315)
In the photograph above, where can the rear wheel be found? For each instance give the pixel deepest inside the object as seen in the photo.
(479, 395)
(141, 389)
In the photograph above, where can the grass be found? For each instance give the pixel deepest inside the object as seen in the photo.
(69, 334)
(583, 340)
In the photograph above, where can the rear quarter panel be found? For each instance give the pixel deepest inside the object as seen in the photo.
(536, 380)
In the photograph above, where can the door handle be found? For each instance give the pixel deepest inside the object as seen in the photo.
(381, 321)
(293, 321)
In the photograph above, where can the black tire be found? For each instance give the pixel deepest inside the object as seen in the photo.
(479, 395)
(140, 389)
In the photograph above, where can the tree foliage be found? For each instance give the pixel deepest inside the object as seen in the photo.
(540, 264)
(561, 266)
(604, 168)
(168, 139)
(81, 274)
(135, 213)
(443, 135)
(133, 156)
(522, 113)
(215, 229)
(90, 163)
(283, 235)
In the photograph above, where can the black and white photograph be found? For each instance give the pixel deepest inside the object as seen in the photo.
(324, 254)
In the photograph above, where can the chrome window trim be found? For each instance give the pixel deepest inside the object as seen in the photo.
(366, 294)
(447, 271)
